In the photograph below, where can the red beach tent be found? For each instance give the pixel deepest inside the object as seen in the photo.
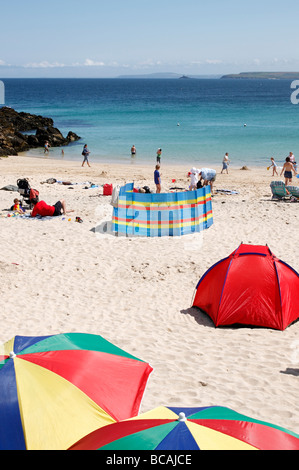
(252, 287)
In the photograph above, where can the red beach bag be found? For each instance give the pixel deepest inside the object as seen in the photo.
(107, 189)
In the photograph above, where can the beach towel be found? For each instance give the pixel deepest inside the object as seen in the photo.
(226, 191)
(10, 187)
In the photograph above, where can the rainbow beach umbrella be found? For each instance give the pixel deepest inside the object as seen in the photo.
(56, 389)
(207, 428)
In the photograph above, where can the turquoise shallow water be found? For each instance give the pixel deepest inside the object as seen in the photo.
(193, 121)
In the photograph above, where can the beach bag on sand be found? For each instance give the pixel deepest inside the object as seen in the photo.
(115, 194)
(34, 193)
(107, 189)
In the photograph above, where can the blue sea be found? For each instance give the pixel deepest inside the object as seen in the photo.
(194, 121)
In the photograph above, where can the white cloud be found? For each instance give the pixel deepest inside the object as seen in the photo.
(213, 61)
(93, 63)
(43, 65)
(4, 64)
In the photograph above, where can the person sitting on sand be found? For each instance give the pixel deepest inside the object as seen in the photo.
(157, 179)
(273, 164)
(208, 176)
(287, 169)
(17, 206)
(225, 163)
(44, 210)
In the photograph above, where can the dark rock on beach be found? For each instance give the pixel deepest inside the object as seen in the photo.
(13, 128)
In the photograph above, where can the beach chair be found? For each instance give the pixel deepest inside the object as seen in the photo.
(294, 191)
(279, 190)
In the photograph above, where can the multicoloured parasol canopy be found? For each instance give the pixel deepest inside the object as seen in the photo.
(207, 428)
(56, 389)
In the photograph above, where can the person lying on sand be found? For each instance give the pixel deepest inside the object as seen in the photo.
(44, 210)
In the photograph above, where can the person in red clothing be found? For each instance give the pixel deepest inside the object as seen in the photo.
(44, 210)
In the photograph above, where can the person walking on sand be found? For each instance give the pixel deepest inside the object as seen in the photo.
(288, 168)
(159, 153)
(273, 164)
(225, 163)
(157, 178)
(85, 154)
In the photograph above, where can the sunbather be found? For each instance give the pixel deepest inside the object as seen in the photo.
(44, 210)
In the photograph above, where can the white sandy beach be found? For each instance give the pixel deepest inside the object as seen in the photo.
(62, 276)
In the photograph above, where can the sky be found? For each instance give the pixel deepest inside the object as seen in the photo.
(110, 38)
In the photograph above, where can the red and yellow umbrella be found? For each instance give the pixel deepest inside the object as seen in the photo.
(56, 389)
(206, 428)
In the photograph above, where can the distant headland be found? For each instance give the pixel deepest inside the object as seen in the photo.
(242, 75)
(264, 75)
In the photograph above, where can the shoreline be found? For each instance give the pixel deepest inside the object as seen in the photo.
(132, 161)
(60, 276)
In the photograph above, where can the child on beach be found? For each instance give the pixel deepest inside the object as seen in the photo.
(157, 179)
(273, 164)
(46, 147)
(194, 179)
(287, 169)
(17, 207)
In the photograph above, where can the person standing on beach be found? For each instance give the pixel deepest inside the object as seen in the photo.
(157, 178)
(293, 160)
(288, 168)
(159, 153)
(225, 163)
(85, 154)
(193, 179)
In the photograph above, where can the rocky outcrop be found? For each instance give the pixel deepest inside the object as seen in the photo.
(14, 126)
